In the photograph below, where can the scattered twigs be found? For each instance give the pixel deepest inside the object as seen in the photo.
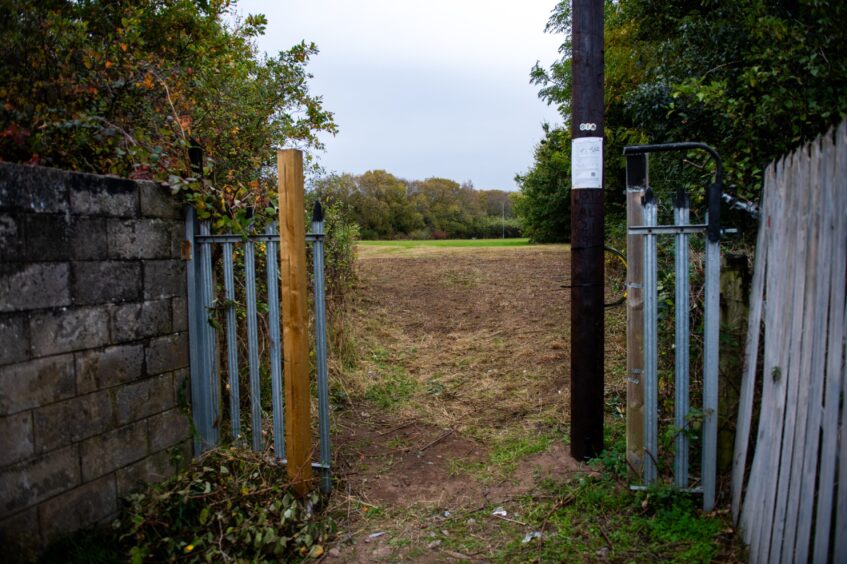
(397, 428)
(556, 506)
(511, 520)
(461, 556)
(605, 534)
(438, 440)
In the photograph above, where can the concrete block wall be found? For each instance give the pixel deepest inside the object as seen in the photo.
(93, 348)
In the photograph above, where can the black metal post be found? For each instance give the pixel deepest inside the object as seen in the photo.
(587, 221)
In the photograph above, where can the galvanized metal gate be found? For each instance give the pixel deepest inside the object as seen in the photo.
(645, 377)
(208, 300)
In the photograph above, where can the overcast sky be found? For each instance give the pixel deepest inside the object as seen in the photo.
(423, 88)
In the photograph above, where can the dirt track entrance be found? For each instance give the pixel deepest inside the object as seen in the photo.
(462, 400)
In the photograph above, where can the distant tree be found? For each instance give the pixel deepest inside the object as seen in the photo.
(543, 204)
(385, 206)
(754, 79)
(497, 203)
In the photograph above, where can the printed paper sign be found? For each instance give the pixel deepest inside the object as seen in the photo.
(587, 163)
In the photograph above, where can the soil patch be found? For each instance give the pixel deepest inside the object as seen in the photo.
(460, 401)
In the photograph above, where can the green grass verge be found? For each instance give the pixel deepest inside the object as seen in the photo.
(449, 243)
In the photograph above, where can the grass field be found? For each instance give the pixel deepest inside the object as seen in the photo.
(449, 243)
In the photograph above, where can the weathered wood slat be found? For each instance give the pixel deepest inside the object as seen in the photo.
(753, 518)
(794, 501)
(840, 536)
(747, 523)
(836, 193)
(754, 330)
(777, 371)
(813, 365)
(784, 525)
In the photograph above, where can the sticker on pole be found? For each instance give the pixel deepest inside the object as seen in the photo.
(587, 162)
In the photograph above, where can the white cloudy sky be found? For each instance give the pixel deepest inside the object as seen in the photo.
(423, 88)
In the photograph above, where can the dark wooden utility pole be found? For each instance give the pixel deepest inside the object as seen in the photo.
(587, 219)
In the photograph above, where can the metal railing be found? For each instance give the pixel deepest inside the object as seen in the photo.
(203, 339)
(647, 374)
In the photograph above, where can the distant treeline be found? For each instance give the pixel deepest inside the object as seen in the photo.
(387, 207)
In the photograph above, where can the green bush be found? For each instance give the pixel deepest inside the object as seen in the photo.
(125, 88)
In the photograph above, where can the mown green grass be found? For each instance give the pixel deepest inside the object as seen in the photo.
(598, 518)
(590, 518)
(449, 243)
(504, 458)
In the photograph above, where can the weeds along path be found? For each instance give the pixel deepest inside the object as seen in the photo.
(458, 405)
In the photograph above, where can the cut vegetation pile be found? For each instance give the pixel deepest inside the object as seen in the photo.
(229, 505)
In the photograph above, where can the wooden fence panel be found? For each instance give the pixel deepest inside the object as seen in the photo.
(784, 503)
(837, 255)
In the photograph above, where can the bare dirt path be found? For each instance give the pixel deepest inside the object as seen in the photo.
(459, 403)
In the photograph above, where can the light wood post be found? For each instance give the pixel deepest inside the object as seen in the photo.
(295, 343)
(636, 182)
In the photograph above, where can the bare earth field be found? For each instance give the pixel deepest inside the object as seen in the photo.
(458, 406)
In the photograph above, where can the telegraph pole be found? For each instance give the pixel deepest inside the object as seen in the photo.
(587, 219)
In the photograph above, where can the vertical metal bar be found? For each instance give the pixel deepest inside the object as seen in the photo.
(232, 345)
(650, 343)
(253, 345)
(195, 336)
(680, 465)
(321, 348)
(710, 371)
(272, 258)
(210, 372)
(637, 179)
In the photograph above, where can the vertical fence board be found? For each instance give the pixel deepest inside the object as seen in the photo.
(785, 522)
(778, 371)
(792, 502)
(748, 383)
(298, 440)
(840, 536)
(837, 256)
(815, 349)
(754, 516)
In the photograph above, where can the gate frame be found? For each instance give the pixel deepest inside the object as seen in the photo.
(205, 374)
(649, 383)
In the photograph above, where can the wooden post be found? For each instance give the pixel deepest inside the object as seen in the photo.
(295, 344)
(587, 221)
(636, 182)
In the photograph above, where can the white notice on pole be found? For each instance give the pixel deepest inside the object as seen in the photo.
(587, 163)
